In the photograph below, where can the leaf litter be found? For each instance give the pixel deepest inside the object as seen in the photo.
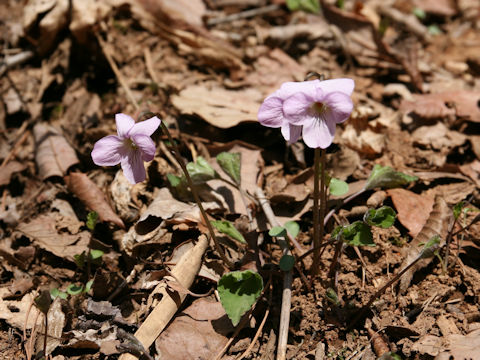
(206, 66)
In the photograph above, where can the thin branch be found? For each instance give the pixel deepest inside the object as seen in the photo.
(196, 197)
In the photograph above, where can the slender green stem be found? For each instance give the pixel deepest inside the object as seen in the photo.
(316, 225)
(195, 196)
(323, 193)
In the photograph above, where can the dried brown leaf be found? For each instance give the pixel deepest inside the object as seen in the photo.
(56, 323)
(217, 106)
(437, 224)
(194, 334)
(463, 104)
(8, 170)
(44, 230)
(92, 197)
(15, 312)
(461, 346)
(183, 11)
(54, 156)
(166, 207)
(413, 210)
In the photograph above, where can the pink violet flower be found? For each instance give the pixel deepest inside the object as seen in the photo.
(131, 147)
(309, 108)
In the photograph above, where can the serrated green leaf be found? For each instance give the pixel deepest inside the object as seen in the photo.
(238, 291)
(383, 217)
(386, 177)
(337, 187)
(54, 293)
(286, 262)
(457, 209)
(311, 6)
(226, 227)
(277, 231)
(201, 171)
(231, 163)
(92, 219)
(357, 234)
(73, 289)
(293, 228)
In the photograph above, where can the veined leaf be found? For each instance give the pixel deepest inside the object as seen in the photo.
(238, 291)
(201, 171)
(231, 163)
(337, 187)
(386, 177)
(383, 217)
(226, 227)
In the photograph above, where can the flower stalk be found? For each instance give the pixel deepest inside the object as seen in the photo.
(176, 153)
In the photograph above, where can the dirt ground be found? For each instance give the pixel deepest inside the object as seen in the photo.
(205, 67)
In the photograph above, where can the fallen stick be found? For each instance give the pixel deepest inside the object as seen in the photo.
(185, 271)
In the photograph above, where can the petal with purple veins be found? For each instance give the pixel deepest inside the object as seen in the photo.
(146, 146)
(318, 132)
(146, 127)
(108, 151)
(124, 124)
(133, 168)
(270, 113)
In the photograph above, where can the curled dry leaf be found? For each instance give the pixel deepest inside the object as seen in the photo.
(437, 224)
(54, 156)
(183, 11)
(56, 323)
(92, 197)
(45, 19)
(15, 312)
(438, 136)
(166, 207)
(8, 170)
(44, 230)
(120, 189)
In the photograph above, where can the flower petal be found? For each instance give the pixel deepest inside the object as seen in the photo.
(297, 108)
(146, 127)
(343, 85)
(132, 166)
(290, 88)
(108, 151)
(145, 145)
(318, 132)
(339, 107)
(124, 124)
(270, 113)
(290, 132)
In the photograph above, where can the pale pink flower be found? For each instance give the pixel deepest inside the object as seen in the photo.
(131, 147)
(309, 108)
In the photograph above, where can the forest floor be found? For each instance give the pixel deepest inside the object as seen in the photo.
(205, 66)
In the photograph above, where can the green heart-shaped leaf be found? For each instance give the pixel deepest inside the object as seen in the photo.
(238, 292)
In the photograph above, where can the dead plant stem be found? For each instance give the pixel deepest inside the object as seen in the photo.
(196, 197)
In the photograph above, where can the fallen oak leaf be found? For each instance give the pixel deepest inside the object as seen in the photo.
(437, 225)
(54, 156)
(92, 197)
